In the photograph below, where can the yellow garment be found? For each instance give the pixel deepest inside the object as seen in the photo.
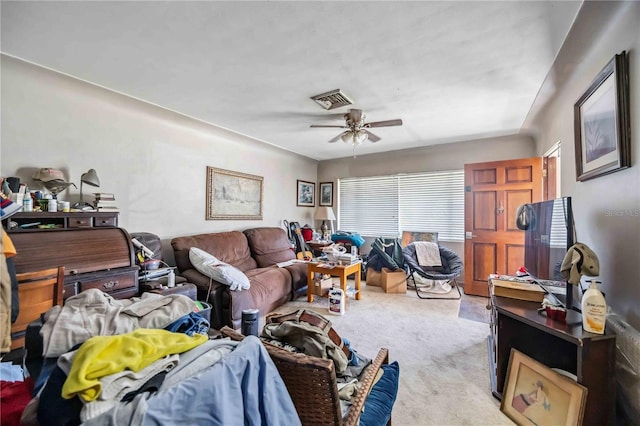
(101, 356)
(7, 245)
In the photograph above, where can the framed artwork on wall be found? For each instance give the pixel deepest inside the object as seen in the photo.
(602, 122)
(305, 194)
(326, 194)
(233, 195)
(536, 394)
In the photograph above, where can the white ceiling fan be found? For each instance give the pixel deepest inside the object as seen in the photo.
(357, 132)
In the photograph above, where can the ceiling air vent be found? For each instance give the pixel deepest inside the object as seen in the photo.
(333, 99)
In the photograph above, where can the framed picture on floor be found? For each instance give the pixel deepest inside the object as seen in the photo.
(305, 194)
(538, 395)
(326, 194)
(602, 123)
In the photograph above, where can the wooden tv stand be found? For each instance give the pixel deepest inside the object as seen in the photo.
(564, 345)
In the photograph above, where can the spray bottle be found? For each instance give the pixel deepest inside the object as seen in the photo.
(336, 300)
(594, 310)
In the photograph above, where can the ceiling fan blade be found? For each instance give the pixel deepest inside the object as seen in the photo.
(337, 138)
(372, 137)
(329, 125)
(386, 123)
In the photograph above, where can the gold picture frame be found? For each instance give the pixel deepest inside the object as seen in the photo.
(602, 122)
(233, 195)
(536, 394)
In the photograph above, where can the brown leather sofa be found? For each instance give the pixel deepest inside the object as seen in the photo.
(255, 252)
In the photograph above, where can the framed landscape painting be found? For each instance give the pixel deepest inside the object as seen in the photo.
(305, 194)
(233, 195)
(602, 122)
(326, 194)
(537, 395)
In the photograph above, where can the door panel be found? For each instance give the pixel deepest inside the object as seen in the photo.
(515, 257)
(514, 200)
(484, 260)
(482, 202)
(518, 174)
(493, 193)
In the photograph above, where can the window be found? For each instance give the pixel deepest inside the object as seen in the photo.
(384, 206)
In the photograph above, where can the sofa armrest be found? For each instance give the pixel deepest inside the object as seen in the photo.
(214, 293)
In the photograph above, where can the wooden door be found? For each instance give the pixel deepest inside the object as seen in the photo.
(493, 193)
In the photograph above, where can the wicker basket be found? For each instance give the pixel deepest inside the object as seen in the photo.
(313, 387)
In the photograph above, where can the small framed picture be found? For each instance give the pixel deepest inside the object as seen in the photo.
(326, 194)
(305, 195)
(537, 395)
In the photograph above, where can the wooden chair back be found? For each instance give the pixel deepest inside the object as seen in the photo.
(38, 291)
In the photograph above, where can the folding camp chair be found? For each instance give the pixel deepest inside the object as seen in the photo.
(451, 268)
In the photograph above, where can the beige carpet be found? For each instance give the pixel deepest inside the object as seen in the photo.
(444, 378)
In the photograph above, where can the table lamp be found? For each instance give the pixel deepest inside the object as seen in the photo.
(90, 178)
(325, 213)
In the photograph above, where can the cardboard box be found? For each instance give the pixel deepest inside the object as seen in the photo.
(321, 286)
(374, 278)
(394, 281)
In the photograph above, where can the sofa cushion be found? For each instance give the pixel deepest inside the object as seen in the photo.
(269, 246)
(222, 272)
(270, 289)
(229, 247)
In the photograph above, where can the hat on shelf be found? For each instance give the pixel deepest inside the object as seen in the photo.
(48, 175)
(580, 260)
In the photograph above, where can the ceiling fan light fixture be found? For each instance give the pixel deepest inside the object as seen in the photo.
(360, 136)
(355, 137)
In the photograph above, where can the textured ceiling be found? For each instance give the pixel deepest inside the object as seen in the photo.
(450, 70)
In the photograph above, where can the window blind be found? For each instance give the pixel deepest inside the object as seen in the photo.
(433, 202)
(368, 206)
(384, 206)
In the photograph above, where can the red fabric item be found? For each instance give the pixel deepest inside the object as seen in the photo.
(14, 396)
(307, 233)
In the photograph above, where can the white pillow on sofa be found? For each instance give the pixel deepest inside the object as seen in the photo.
(214, 268)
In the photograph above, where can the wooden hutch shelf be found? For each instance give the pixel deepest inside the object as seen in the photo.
(45, 221)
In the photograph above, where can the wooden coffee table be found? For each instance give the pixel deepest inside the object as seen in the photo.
(342, 271)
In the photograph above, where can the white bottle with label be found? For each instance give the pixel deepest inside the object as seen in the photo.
(27, 202)
(336, 301)
(594, 310)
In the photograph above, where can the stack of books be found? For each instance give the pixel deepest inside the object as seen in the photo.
(517, 289)
(348, 259)
(105, 202)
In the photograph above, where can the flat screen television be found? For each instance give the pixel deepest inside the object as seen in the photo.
(549, 233)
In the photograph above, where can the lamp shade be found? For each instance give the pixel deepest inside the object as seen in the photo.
(325, 213)
(90, 178)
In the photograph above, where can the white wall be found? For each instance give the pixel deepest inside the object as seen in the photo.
(154, 160)
(606, 209)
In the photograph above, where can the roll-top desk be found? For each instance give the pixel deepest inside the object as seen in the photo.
(94, 257)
